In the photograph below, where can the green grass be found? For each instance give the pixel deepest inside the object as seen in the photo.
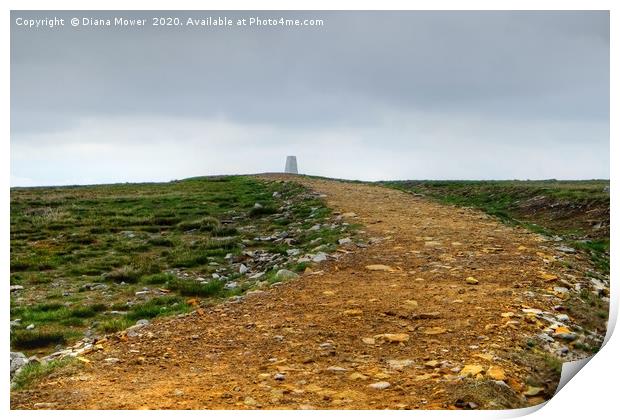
(193, 288)
(32, 339)
(40, 313)
(300, 267)
(187, 258)
(36, 371)
(87, 311)
(206, 224)
(553, 363)
(156, 307)
(126, 274)
(159, 278)
(161, 241)
(261, 211)
(114, 325)
(598, 251)
(81, 251)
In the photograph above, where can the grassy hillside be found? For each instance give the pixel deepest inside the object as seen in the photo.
(577, 211)
(95, 259)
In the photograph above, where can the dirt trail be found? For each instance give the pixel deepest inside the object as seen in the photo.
(317, 341)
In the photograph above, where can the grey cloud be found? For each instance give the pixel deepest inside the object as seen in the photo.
(392, 80)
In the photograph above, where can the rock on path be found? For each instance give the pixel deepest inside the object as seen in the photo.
(357, 336)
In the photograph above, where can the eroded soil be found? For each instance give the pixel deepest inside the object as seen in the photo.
(392, 325)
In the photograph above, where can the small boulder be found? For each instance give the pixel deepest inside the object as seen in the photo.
(496, 373)
(399, 364)
(434, 330)
(471, 370)
(336, 369)
(392, 338)
(533, 391)
(18, 360)
(379, 267)
(319, 257)
(231, 285)
(380, 385)
(353, 312)
(566, 249)
(432, 364)
(284, 274)
(471, 280)
(564, 333)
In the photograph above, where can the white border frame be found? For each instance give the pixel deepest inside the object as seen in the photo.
(592, 394)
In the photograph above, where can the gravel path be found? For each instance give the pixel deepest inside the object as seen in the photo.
(430, 316)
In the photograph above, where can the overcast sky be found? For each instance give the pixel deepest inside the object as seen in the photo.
(368, 95)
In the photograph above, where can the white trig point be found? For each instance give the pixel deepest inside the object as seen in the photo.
(291, 165)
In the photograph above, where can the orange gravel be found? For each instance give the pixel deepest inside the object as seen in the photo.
(410, 323)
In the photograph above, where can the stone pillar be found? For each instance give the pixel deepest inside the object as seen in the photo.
(291, 165)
